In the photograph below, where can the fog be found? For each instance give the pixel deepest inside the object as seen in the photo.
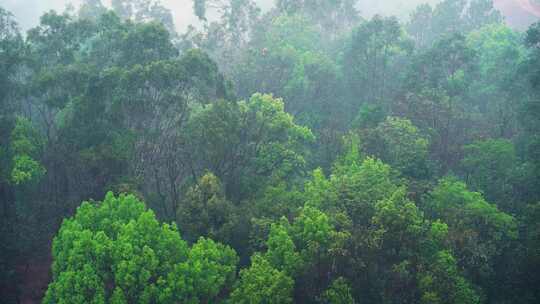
(27, 12)
(303, 155)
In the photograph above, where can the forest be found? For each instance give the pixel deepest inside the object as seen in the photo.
(297, 154)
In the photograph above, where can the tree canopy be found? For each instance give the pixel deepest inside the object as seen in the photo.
(293, 152)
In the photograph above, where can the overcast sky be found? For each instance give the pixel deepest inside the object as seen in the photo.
(27, 12)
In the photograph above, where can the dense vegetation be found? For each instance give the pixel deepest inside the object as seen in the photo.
(297, 155)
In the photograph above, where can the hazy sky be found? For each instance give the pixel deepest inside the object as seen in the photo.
(27, 12)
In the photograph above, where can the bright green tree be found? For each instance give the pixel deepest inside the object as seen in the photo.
(262, 284)
(281, 252)
(117, 252)
(26, 146)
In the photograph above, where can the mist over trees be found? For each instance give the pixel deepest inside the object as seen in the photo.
(300, 153)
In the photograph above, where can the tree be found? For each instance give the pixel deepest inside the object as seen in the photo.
(531, 263)
(331, 17)
(443, 284)
(359, 186)
(247, 143)
(313, 233)
(399, 143)
(144, 11)
(11, 58)
(481, 13)
(320, 245)
(21, 167)
(339, 292)
(11, 50)
(116, 251)
(26, 147)
(531, 109)
(281, 252)
(288, 56)
(499, 85)
(490, 167)
(306, 76)
(437, 99)
(389, 245)
(210, 269)
(261, 283)
(329, 180)
(206, 212)
(419, 26)
(91, 9)
(373, 61)
(479, 233)
(227, 37)
(449, 17)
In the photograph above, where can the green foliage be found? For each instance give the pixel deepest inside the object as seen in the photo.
(339, 292)
(360, 186)
(531, 108)
(116, 251)
(261, 283)
(25, 169)
(489, 166)
(449, 64)
(26, 145)
(306, 76)
(498, 91)
(375, 52)
(479, 233)
(369, 116)
(331, 15)
(327, 179)
(206, 212)
(312, 232)
(281, 252)
(210, 267)
(442, 283)
(459, 207)
(398, 221)
(496, 44)
(144, 11)
(439, 99)
(427, 23)
(532, 245)
(399, 143)
(243, 141)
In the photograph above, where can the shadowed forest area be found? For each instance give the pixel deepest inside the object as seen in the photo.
(300, 154)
